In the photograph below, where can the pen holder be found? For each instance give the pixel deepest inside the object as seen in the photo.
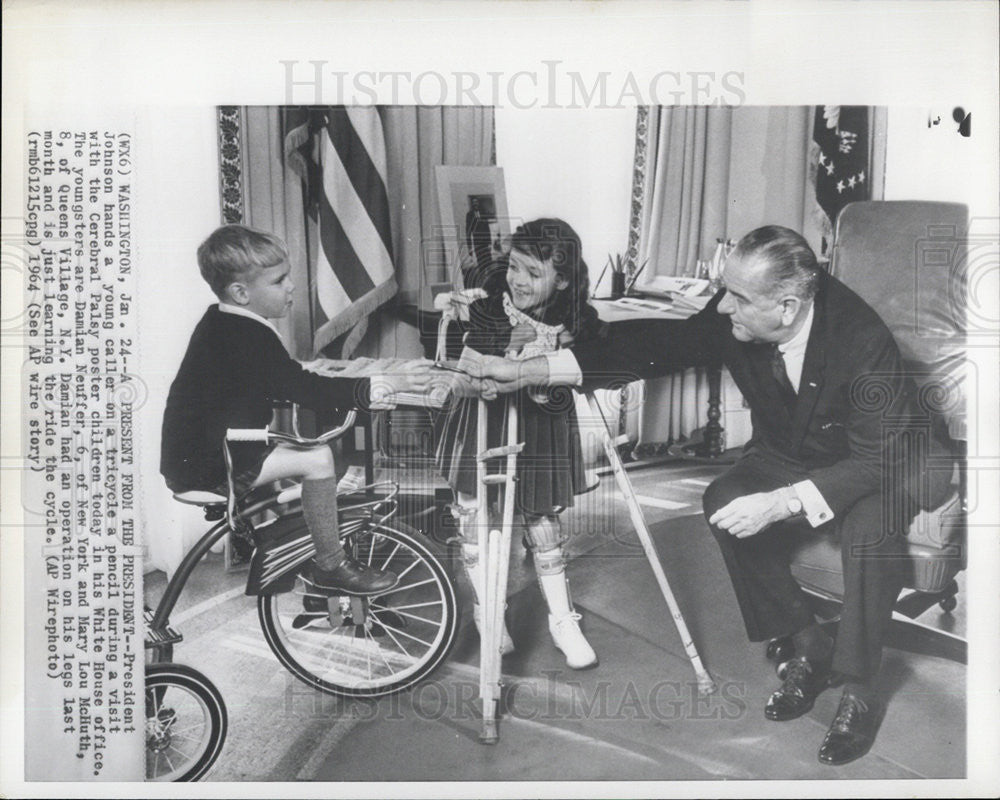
(617, 285)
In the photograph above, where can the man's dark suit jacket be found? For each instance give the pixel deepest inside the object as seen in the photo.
(853, 400)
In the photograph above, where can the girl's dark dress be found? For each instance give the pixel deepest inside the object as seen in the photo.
(550, 467)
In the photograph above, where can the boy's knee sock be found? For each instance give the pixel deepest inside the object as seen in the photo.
(319, 507)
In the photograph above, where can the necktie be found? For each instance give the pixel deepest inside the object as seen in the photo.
(785, 388)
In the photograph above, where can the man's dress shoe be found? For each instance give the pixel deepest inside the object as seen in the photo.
(853, 730)
(803, 682)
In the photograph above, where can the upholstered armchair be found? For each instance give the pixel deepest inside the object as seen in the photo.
(907, 260)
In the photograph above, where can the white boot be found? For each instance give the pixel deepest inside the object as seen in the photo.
(564, 622)
(471, 553)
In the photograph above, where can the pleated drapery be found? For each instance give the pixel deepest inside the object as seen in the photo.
(715, 173)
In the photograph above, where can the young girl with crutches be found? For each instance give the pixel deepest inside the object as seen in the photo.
(542, 307)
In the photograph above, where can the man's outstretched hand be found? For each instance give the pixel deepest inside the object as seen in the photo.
(752, 513)
(459, 385)
(510, 375)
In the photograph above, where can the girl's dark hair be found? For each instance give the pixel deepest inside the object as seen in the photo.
(554, 239)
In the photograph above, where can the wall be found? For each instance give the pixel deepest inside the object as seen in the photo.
(572, 164)
(177, 206)
(933, 162)
(576, 165)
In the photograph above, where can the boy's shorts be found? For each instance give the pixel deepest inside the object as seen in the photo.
(243, 480)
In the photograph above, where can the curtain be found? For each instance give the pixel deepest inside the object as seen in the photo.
(719, 173)
(685, 207)
(417, 139)
(275, 202)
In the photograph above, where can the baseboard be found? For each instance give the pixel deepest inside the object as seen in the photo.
(666, 459)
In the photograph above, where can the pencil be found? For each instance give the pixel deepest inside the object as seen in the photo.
(636, 276)
(449, 368)
(594, 293)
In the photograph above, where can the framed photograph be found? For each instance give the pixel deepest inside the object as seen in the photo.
(475, 223)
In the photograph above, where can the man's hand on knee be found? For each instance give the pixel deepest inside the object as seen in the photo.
(752, 513)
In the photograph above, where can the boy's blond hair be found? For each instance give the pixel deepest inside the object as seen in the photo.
(232, 251)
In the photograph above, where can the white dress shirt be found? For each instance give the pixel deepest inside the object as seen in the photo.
(793, 351)
(228, 308)
(563, 369)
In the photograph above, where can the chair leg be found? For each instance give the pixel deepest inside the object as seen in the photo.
(913, 604)
(915, 637)
(904, 631)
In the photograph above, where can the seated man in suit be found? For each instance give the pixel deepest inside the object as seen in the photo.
(826, 388)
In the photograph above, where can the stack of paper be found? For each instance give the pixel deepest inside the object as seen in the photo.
(643, 304)
(674, 286)
(696, 303)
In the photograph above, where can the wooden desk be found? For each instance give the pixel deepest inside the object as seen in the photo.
(711, 446)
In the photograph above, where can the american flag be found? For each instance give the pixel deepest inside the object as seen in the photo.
(340, 153)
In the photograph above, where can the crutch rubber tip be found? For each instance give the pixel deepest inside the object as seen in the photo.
(706, 685)
(489, 734)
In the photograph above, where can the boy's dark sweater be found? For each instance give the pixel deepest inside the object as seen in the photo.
(234, 370)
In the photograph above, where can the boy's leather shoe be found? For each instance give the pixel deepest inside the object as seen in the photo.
(853, 730)
(353, 578)
(804, 680)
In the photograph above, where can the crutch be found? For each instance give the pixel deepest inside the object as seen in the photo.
(496, 546)
(705, 683)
